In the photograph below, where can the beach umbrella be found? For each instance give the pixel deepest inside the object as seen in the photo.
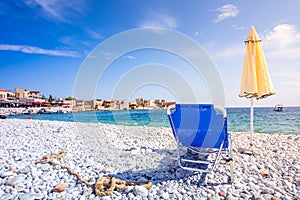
(255, 81)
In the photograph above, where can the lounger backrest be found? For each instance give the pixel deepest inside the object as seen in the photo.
(199, 125)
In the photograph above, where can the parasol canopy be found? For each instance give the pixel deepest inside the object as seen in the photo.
(256, 81)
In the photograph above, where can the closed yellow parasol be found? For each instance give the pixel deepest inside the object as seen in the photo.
(256, 81)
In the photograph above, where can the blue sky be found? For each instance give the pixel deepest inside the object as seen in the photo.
(44, 43)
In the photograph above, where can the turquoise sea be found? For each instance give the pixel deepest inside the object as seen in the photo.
(265, 119)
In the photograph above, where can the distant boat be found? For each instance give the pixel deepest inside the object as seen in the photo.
(44, 111)
(27, 112)
(278, 108)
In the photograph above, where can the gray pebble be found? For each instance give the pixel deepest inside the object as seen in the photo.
(14, 180)
(24, 170)
(130, 196)
(267, 196)
(45, 167)
(238, 186)
(253, 186)
(129, 189)
(165, 195)
(31, 196)
(20, 187)
(8, 197)
(271, 184)
(229, 197)
(140, 191)
(268, 191)
(6, 174)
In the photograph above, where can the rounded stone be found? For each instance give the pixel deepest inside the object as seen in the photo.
(140, 191)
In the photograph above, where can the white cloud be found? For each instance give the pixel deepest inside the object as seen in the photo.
(159, 20)
(198, 33)
(94, 34)
(37, 50)
(130, 57)
(57, 9)
(282, 35)
(283, 41)
(226, 11)
(49, 7)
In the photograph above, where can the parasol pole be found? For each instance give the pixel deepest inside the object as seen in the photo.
(251, 121)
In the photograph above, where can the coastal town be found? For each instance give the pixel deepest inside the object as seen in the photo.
(23, 101)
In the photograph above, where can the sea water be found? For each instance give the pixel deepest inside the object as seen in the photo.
(265, 119)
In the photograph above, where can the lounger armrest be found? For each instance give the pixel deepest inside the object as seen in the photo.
(222, 109)
(170, 107)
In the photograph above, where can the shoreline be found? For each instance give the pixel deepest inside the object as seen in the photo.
(57, 109)
(31, 117)
(136, 154)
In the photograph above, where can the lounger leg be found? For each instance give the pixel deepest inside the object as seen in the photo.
(231, 158)
(178, 153)
(231, 172)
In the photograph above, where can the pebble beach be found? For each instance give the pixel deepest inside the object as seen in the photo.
(138, 153)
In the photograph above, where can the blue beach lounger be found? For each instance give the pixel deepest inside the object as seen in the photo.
(201, 132)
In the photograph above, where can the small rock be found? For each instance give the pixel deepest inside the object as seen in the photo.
(222, 194)
(264, 174)
(82, 198)
(6, 174)
(20, 187)
(130, 196)
(7, 197)
(274, 198)
(209, 191)
(238, 186)
(268, 191)
(14, 180)
(135, 151)
(165, 195)
(140, 191)
(229, 197)
(149, 150)
(253, 186)
(270, 184)
(24, 170)
(38, 196)
(45, 167)
(256, 196)
(272, 168)
(60, 187)
(267, 196)
(106, 198)
(252, 179)
(129, 189)
(13, 170)
(286, 197)
(87, 191)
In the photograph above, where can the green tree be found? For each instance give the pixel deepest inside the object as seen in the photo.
(69, 98)
(50, 98)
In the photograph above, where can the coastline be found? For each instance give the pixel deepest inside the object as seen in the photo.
(135, 154)
(56, 109)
